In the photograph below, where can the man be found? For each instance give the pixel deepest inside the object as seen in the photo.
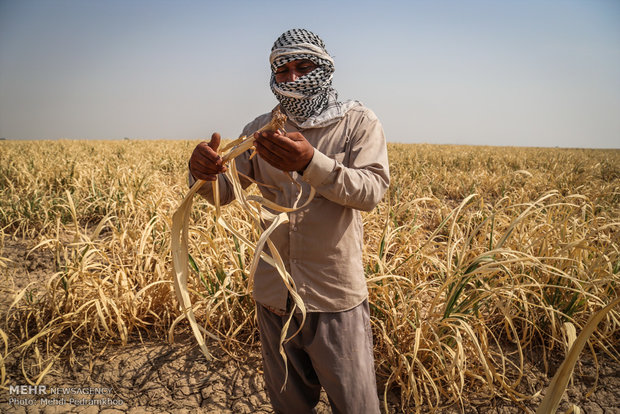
(338, 148)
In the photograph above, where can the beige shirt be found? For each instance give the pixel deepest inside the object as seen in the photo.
(322, 244)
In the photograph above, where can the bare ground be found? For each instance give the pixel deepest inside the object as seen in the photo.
(154, 376)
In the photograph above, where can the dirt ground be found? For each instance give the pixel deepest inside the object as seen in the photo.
(154, 376)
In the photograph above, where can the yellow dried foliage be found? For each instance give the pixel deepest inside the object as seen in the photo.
(476, 258)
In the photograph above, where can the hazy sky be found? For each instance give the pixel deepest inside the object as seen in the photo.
(531, 73)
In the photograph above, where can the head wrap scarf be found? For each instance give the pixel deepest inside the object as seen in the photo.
(309, 95)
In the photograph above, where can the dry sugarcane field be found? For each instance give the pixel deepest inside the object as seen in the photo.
(483, 264)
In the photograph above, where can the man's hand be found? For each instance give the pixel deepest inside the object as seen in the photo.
(205, 164)
(290, 152)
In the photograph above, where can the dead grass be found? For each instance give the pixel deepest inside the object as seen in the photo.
(476, 256)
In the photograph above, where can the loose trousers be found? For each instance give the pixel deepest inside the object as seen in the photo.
(333, 351)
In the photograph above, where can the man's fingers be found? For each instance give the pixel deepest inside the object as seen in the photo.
(294, 136)
(205, 177)
(265, 151)
(276, 142)
(201, 167)
(212, 156)
(205, 163)
(290, 152)
(206, 153)
(215, 141)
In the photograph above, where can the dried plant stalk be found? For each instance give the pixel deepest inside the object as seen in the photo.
(560, 380)
(180, 222)
(242, 144)
(449, 285)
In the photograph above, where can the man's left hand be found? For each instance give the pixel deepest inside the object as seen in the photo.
(288, 152)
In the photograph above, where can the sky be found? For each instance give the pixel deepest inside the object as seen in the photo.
(503, 72)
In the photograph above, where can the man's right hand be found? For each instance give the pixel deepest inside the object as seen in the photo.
(205, 164)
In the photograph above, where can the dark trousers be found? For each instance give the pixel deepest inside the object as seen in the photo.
(333, 351)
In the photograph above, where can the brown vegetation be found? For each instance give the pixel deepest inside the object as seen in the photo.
(477, 259)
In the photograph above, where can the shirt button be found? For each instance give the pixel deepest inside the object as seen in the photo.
(294, 260)
(295, 228)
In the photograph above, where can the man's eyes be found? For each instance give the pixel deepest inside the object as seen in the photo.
(303, 68)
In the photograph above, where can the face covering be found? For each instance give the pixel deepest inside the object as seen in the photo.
(310, 94)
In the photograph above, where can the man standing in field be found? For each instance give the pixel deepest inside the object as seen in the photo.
(339, 149)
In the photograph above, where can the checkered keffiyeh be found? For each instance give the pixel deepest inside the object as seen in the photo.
(311, 94)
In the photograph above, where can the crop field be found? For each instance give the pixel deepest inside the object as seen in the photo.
(482, 263)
